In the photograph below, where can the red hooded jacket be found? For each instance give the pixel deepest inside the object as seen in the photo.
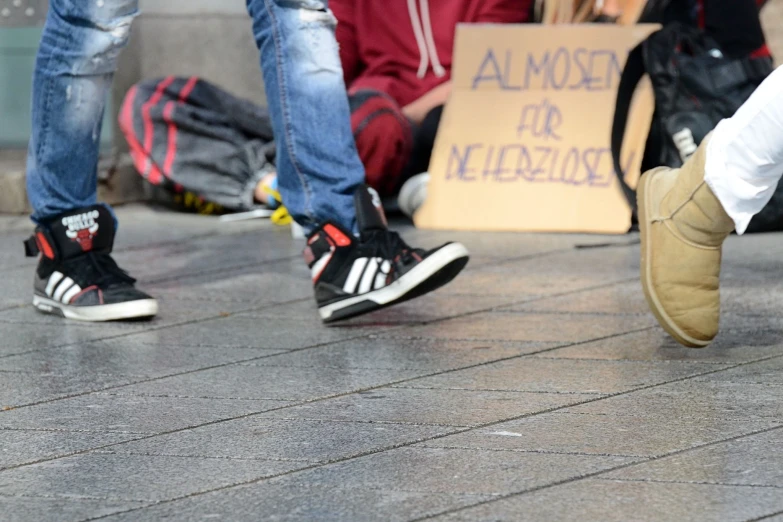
(404, 47)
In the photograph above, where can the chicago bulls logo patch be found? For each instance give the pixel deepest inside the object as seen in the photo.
(82, 228)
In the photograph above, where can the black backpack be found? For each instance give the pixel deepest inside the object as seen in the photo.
(695, 87)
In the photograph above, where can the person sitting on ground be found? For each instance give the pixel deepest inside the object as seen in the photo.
(397, 68)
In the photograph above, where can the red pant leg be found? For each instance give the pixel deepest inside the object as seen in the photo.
(384, 138)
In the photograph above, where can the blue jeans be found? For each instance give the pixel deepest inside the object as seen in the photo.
(318, 166)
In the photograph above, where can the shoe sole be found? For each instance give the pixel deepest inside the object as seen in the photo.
(434, 272)
(100, 313)
(666, 322)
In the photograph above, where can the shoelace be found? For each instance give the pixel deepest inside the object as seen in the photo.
(389, 245)
(98, 269)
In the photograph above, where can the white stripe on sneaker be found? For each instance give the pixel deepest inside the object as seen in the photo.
(62, 288)
(369, 276)
(356, 272)
(70, 294)
(407, 282)
(380, 281)
(53, 280)
(319, 265)
(383, 274)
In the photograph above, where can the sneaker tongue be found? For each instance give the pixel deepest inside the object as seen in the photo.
(369, 210)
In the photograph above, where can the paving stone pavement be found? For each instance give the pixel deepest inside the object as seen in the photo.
(535, 387)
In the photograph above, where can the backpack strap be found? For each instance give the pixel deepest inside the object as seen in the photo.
(735, 73)
(633, 73)
(758, 68)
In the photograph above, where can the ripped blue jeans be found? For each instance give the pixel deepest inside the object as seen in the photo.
(318, 166)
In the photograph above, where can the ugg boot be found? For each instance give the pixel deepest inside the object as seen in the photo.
(683, 226)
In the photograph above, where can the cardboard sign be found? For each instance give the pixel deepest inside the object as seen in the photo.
(524, 143)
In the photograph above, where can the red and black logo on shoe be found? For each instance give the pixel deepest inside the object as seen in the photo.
(82, 228)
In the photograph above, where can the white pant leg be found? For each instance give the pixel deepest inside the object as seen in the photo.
(745, 154)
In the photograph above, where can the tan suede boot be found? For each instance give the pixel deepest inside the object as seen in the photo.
(683, 226)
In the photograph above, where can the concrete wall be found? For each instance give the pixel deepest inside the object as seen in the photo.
(208, 38)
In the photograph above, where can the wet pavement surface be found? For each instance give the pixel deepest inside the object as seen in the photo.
(534, 387)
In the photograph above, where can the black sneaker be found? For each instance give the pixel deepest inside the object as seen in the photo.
(77, 277)
(355, 276)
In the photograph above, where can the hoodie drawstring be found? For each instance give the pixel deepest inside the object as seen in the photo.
(422, 29)
(440, 72)
(424, 63)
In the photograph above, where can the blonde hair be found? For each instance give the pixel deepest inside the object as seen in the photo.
(563, 11)
(581, 11)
